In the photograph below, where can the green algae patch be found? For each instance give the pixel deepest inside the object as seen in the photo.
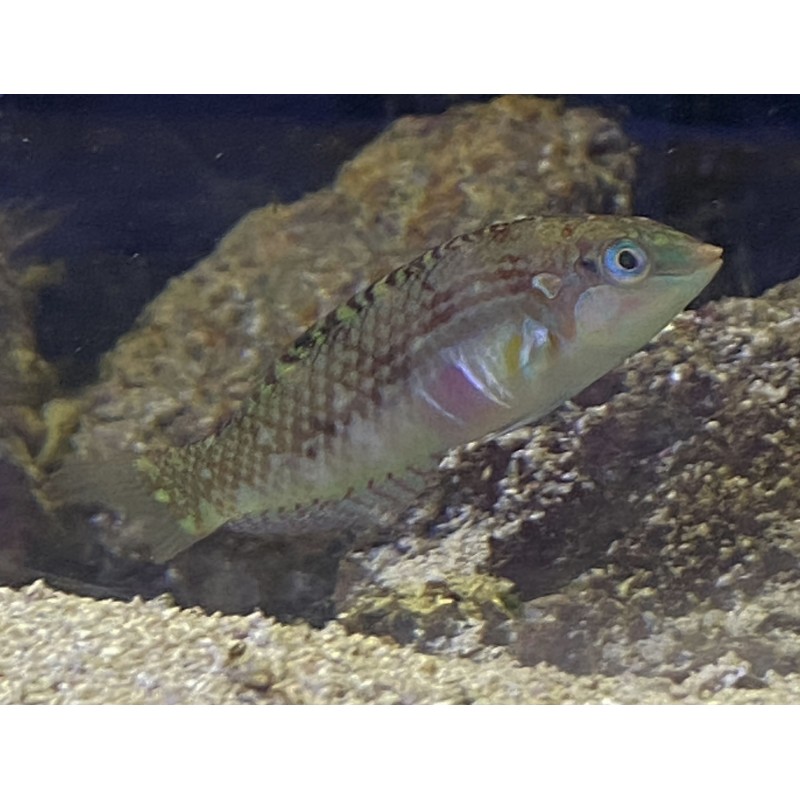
(424, 612)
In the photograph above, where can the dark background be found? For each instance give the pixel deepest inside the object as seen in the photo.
(144, 186)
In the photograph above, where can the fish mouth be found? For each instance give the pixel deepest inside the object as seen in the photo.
(709, 256)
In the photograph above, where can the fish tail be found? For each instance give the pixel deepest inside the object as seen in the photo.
(123, 504)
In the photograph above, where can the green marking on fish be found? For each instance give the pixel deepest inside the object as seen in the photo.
(486, 332)
(346, 314)
(162, 495)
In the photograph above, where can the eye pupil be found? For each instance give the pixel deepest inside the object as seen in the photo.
(627, 259)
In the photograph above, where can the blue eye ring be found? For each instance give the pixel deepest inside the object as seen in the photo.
(625, 261)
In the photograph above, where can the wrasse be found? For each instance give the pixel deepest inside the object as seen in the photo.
(487, 332)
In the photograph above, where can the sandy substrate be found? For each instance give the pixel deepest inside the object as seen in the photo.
(55, 648)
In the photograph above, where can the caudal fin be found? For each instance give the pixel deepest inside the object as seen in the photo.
(120, 506)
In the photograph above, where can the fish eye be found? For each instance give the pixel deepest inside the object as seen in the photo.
(625, 261)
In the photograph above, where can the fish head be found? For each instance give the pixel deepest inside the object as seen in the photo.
(631, 276)
(552, 304)
(602, 287)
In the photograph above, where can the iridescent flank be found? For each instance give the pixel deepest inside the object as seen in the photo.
(486, 332)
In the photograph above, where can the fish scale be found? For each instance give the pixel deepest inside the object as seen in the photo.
(488, 331)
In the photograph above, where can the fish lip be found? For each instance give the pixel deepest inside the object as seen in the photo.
(710, 256)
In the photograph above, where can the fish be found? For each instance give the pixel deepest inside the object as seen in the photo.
(487, 332)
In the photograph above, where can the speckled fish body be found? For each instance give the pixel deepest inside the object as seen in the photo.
(487, 332)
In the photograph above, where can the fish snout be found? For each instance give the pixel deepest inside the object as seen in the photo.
(709, 255)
